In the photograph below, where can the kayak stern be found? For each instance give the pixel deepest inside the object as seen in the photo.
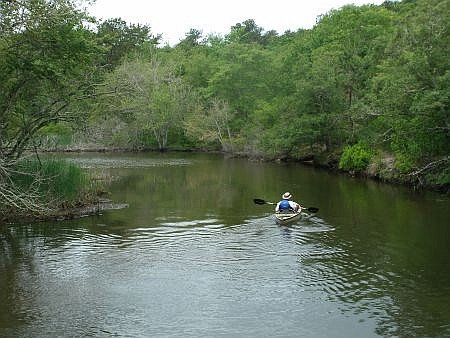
(287, 218)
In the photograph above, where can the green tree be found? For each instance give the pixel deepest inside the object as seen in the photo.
(212, 125)
(349, 43)
(242, 78)
(46, 66)
(410, 92)
(191, 40)
(249, 32)
(119, 39)
(150, 98)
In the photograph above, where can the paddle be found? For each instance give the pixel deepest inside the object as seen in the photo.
(260, 201)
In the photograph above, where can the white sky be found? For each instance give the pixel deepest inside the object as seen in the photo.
(174, 18)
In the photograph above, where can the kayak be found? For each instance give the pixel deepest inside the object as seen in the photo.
(290, 216)
(287, 218)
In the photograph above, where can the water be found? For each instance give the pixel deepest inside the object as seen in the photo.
(193, 256)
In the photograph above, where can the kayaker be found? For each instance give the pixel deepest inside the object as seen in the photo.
(286, 205)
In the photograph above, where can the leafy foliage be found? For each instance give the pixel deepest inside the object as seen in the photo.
(118, 39)
(355, 158)
(45, 65)
(148, 97)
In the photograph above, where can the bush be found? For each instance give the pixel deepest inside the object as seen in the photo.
(403, 163)
(444, 177)
(54, 179)
(54, 136)
(355, 158)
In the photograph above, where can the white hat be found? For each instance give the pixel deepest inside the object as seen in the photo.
(287, 196)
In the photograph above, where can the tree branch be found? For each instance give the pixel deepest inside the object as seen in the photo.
(430, 166)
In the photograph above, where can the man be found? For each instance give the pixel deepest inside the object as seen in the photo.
(286, 205)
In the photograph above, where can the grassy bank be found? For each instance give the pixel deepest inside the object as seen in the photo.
(41, 189)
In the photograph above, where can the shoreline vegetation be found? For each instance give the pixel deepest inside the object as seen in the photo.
(366, 91)
(91, 192)
(381, 168)
(53, 189)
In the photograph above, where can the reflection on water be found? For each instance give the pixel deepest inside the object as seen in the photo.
(127, 162)
(192, 256)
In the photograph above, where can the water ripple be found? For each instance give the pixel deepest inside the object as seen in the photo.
(263, 261)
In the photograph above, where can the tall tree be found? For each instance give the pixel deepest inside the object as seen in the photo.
(150, 97)
(411, 90)
(249, 32)
(118, 38)
(46, 55)
(191, 40)
(46, 64)
(212, 125)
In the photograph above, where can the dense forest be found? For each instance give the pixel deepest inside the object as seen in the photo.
(366, 90)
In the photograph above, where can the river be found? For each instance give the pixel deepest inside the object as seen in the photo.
(193, 256)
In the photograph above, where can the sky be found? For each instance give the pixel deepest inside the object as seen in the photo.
(174, 18)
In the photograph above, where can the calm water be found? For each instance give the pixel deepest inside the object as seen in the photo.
(193, 256)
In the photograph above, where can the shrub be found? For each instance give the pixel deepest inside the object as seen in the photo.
(355, 158)
(444, 177)
(54, 179)
(403, 163)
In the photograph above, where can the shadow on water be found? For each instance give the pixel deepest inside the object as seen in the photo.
(193, 255)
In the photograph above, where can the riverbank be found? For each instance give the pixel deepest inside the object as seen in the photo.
(61, 214)
(50, 188)
(382, 168)
(95, 200)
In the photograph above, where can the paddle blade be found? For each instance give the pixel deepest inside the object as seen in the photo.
(313, 209)
(259, 201)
